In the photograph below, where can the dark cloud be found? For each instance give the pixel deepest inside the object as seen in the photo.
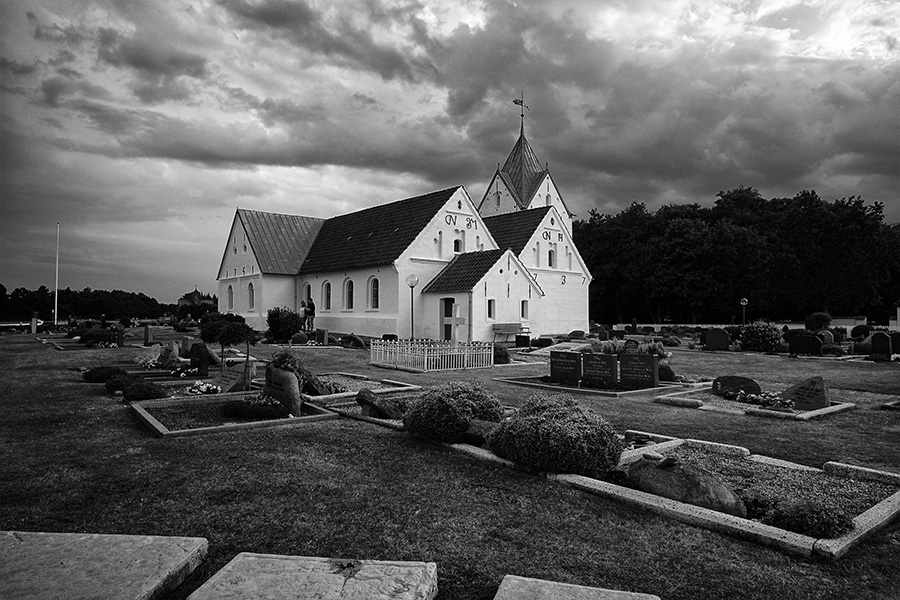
(54, 88)
(54, 32)
(14, 67)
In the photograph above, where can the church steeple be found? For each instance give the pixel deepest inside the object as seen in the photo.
(523, 170)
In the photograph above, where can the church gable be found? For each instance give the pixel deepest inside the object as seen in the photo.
(547, 194)
(500, 197)
(551, 247)
(455, 228)
(238, 258)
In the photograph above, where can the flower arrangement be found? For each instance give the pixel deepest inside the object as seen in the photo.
(106, 345)
(770, 400)
(184, 371)
(150, 363)
(200, 388)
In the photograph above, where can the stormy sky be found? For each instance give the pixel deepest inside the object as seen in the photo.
(141, 125)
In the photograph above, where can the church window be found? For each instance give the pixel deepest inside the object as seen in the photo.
(491, 309)
(307, 292)
(457, 246)
(230, 294)
(326, 295)
(548, 200)
(523, 312)
(251, 300)
(551, 259)
(348, 294)
(374, 299)
(497, 197)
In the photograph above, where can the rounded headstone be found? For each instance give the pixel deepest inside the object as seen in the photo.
(732, 384)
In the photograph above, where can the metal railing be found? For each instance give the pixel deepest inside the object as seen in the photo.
(431, 355)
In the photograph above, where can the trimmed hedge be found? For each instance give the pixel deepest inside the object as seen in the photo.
(143, 390)
(761, 337)
(444, 413)
(554, 433)
(102, 374)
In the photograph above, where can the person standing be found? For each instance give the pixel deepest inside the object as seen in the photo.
(311, 314)
(304, 318)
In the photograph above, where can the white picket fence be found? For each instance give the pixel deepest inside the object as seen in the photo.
(431, 355)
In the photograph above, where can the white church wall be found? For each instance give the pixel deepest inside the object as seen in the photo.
(498, 200)
(547, 194)
(363, 318)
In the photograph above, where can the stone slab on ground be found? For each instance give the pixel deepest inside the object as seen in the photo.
(514, 587)
(49, 566)
(250, 575)
(561, 347)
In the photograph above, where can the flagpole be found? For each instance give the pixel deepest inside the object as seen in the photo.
(56, 294)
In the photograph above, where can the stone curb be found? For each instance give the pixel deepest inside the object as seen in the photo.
(514, 587)
(678, 399)
(653, 436)
(684, 402)
(717, 447)
(861, 473)
(777, 462)
(375, 421)
(828, 410)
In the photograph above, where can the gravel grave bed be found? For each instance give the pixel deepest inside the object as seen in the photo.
(778, 483)
(352, 384)
(194, 416)
(710, 399)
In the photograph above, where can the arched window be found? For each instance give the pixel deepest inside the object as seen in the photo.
(230, 295)
(497, 197)
(251, 300)
(551, 259)
(524, 309)
(549, 201)
(307, 292)
(457, 246)
(348, 294)
(374, 297)
(326, 295)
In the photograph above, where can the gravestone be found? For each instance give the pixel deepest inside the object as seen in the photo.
(631, 346)
(148, 335)
(805, 343)
(565, 367)
(881, 347)
(152, 353)
(732, 384)
(390, 337)
(859, 332)
(231, 379)
(811, 394)
(380, 407)
(165, 357)
(284, 387)
(637, 371)
(523, 341)
(895, 342)
(322, 337)
(716, 339)
(172, 358)
(826, 336)
(600, 370)
(199, 355)
(603, 335)
(120, 336)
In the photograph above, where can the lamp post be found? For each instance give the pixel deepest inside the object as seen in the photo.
(412, 281)
(744, 303)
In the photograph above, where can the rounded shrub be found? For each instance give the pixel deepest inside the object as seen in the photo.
(809, 517)
(817, 321)
(283, 323)
(760, 336)
(102, 374)
(554, 433)
(142, 390)
(444, 413)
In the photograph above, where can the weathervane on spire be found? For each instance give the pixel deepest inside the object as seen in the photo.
(521, 103)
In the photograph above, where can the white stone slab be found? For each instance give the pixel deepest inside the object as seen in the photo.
(50, 566)
(560, 347)
(514, 587)
(272, 576)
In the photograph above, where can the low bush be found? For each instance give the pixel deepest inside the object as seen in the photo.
(283, 323)
(809, 517)
(817, 321)
(790, 334)
(760, 336)
(142, 390)
(501, 355)
(259, 406)
(102, 374)
(120, 382)
(444, 413)
(555, 433)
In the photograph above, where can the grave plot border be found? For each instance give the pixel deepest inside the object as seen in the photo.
(681, 399)
(160, 430)
(663, 386)
(865, 525)
(328, 399)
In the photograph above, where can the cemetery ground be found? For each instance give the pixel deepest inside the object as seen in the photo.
(74, 459)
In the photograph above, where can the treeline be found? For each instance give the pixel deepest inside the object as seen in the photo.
(21, 304)
(788, 256)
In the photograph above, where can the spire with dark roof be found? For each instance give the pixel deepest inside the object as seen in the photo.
(522, 170)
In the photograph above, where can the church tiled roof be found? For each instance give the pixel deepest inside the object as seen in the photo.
(513, 230)
(463, 272)
(523, 171)
(374, 236)
(279, 242)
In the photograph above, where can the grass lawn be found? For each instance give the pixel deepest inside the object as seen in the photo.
(74, 459)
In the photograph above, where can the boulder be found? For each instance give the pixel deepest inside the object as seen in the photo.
(666, 373)
(381, 407)
(685, 483)
(732, 384)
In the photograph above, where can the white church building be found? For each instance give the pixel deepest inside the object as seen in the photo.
(437, 266)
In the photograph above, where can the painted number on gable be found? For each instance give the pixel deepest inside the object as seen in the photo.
(563, 279)
(560, 237)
